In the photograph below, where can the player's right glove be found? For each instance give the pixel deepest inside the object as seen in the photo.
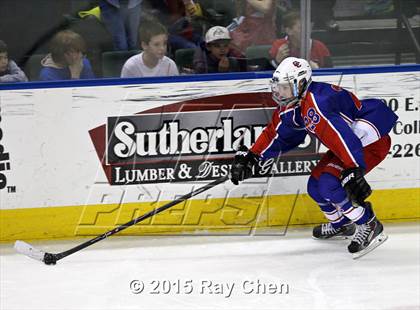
(356, 186)
(242, 165)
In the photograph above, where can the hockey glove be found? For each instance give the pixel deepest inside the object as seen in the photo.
(242, 165)
(355, 184)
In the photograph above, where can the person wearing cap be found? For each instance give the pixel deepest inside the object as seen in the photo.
(215, 55)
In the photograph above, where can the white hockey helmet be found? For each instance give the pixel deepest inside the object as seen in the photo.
(290, 81)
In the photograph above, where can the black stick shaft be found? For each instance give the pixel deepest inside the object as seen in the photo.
(140, 218)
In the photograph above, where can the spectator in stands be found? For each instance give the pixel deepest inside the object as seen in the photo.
(322, 14)
(290, 44)
(152, 61)
(122, 19)
(214, 56)
(65, 60)
(258, 25)
(184, 32)
(9, 70)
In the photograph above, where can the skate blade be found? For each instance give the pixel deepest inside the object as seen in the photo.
(381, 238)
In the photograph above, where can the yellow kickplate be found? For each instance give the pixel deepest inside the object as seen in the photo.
(245, 215)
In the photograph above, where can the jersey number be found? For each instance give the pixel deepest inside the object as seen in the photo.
(311, 119)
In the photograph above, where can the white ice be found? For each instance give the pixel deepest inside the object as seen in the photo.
(315, 274)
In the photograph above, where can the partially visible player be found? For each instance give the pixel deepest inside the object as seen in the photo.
(356, 134)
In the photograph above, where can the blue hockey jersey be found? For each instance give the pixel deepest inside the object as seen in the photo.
(342, 122)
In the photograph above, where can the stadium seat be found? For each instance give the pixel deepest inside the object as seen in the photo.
(219, 12)
(112, 62)
(258, 51)
(258, 56)
(184, 58)
(33, 66)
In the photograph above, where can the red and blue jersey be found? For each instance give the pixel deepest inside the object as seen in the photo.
(342, 122)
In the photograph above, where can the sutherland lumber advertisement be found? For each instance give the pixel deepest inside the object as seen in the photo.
(192, 145)
(87, 158)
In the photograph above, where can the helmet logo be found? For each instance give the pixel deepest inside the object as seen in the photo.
(297, 64)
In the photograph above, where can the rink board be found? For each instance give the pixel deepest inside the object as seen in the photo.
(64, 174)
(254, 215)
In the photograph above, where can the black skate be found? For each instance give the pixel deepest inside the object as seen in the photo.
(368, 237)
(327, 231)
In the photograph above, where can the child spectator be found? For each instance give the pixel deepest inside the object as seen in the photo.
(152, 61)
(66, 60)
(215, 55)
(9, 70)
(290, 44)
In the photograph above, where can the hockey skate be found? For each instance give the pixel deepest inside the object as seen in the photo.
(327, 231)
(368, 236)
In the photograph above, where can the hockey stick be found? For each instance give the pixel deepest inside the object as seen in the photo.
(51, 259)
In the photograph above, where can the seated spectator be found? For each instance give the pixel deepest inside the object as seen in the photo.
(290, 44)
(152, 61)
(9, 70)
(258, 25)
(215, 55)
(65, 60)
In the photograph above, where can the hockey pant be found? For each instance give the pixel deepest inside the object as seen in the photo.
(325, 188)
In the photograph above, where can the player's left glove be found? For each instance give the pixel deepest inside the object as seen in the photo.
(242, 165)
(355, 184)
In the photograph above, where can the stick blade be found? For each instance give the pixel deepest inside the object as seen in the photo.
(28, 250)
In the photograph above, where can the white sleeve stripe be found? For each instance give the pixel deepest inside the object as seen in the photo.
(346, 118)
(336, 131)
(294, 117)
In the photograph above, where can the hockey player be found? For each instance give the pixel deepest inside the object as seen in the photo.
(356, 134)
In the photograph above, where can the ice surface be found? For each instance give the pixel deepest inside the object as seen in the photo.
(315, 274)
